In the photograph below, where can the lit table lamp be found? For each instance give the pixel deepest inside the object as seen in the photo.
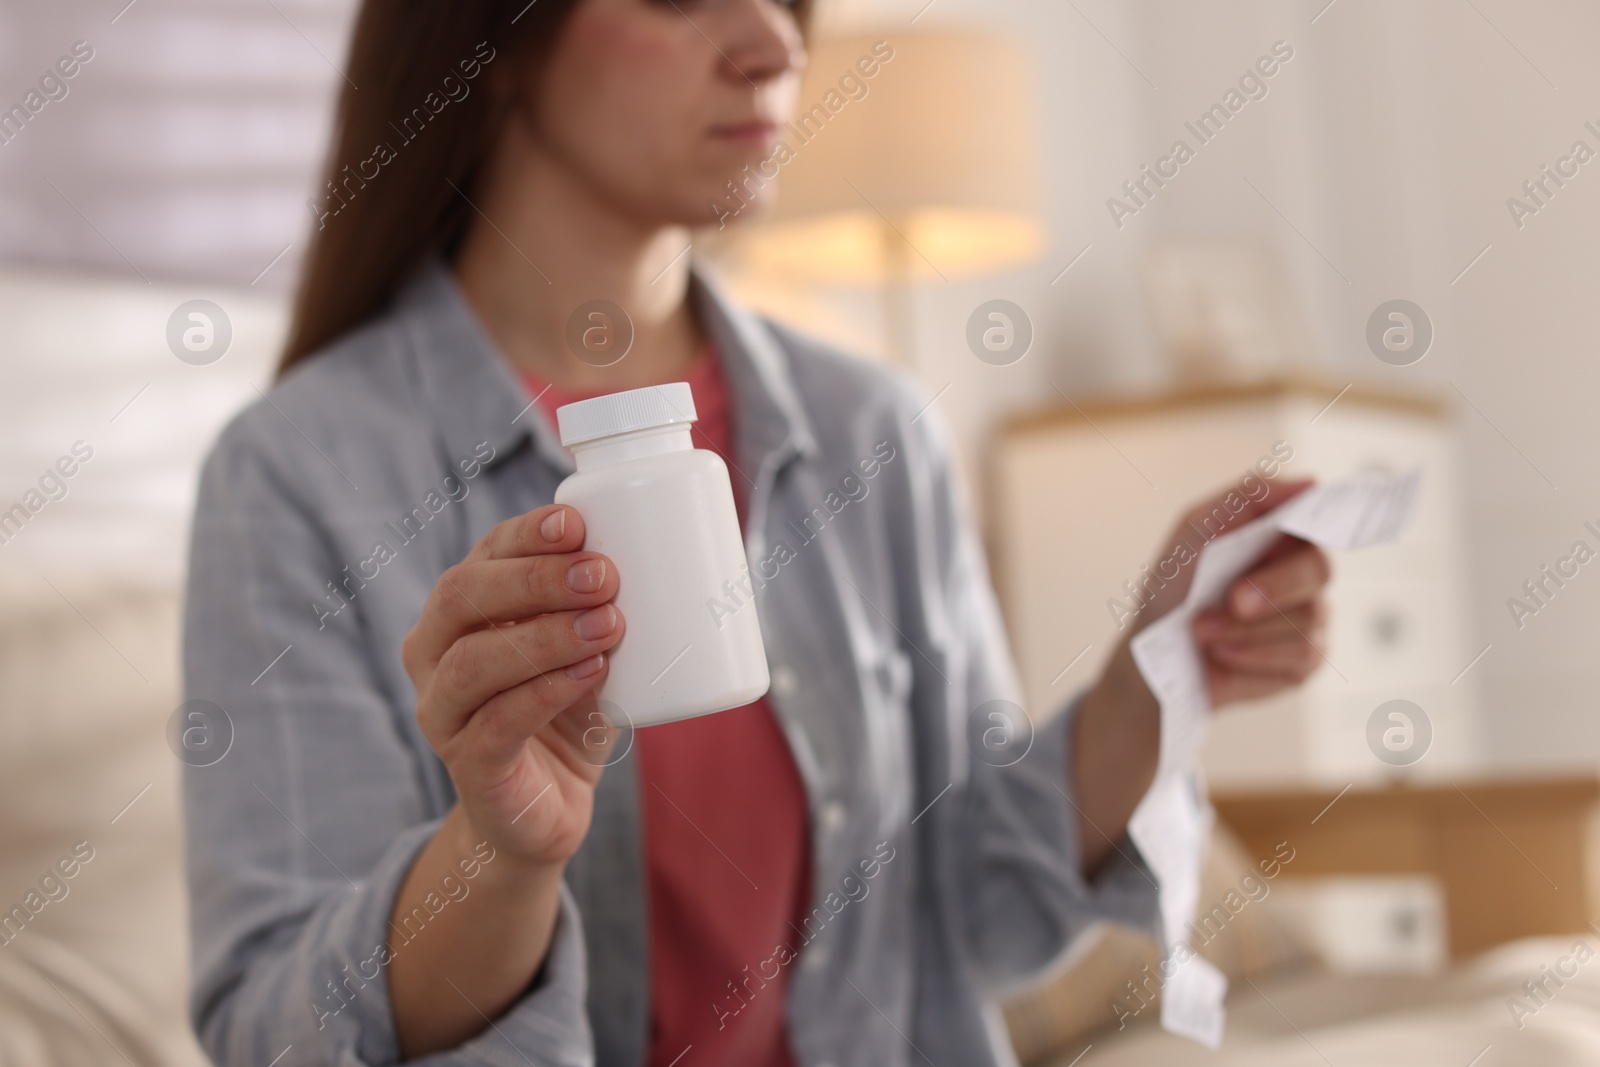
(932, 174)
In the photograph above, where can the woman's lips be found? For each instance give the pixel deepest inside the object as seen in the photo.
(758, 132)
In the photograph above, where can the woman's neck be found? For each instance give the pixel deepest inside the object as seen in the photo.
(543, 243)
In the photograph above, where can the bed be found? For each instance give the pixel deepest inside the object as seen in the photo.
(1519, 868)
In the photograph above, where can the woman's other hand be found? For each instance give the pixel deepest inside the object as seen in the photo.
(1269, 631)
(1267, 635)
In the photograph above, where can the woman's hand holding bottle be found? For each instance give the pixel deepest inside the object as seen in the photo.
(510, 647)
(505, 659)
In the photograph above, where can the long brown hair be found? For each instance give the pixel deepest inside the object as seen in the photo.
(416, 73)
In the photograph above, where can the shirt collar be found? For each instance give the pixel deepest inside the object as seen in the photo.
(474, 394)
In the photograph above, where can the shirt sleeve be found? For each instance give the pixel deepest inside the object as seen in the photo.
(305, 807)
(1007, 840)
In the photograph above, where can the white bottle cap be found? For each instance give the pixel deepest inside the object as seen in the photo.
(636, 409)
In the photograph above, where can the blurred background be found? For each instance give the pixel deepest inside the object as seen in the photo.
(1375, 250)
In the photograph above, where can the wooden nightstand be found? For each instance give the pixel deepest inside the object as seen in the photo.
(1515, 858)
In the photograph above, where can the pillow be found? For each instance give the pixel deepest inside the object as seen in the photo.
(1112, 977)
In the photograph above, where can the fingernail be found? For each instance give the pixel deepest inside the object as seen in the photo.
(595, 623)
(587, 576)
(554, 525)
(586, 668)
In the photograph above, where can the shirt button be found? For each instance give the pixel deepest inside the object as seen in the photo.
(783, 681)
(814, 958)
(832, 817)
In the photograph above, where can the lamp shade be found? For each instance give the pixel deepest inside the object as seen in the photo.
(936, 147)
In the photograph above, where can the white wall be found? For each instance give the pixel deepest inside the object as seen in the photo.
(86, 361)
(185, 148)
(1390, 143)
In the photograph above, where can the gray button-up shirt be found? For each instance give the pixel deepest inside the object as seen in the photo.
(945, 868)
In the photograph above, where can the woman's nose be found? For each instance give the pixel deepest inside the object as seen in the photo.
(761, 39)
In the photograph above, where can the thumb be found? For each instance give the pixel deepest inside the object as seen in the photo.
(1214, 516)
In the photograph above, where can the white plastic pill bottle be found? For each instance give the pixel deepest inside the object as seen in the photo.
(663, 511)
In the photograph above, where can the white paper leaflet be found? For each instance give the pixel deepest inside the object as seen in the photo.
(1171, 824)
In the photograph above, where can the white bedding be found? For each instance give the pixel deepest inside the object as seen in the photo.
(1453, 1020)
(99, 975)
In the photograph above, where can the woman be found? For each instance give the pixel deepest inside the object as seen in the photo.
(420, 845)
